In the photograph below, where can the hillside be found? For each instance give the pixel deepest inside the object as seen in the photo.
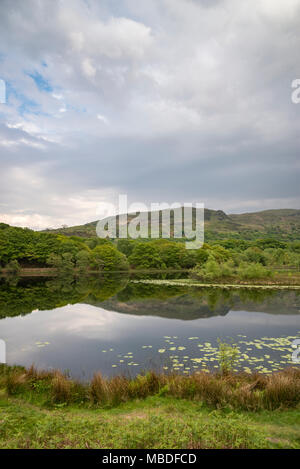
(281, 224)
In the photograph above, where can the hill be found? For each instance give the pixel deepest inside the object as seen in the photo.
(281, 224)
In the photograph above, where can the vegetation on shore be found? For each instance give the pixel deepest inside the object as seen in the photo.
(41, 409)
(253, 392)
(230, 260)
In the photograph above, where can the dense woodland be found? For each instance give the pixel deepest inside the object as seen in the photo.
(25, 248)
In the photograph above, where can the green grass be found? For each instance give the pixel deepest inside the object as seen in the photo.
(40, 409)
(155, 422)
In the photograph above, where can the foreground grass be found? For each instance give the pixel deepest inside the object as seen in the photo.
(155, 422)
(41, 409)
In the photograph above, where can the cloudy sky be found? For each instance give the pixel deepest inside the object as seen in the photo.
(163, 100)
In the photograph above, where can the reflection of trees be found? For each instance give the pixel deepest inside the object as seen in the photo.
(163, 275)
(190, 303)
(106, 286)
(115, 293)
(30, 294)
(148, 290)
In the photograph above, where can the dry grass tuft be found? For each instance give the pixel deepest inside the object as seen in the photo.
(98, 389)
(237, 391)
(15, 383)
(282, 390)
(61, 388)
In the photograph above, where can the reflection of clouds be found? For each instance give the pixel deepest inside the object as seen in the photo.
(89, 321)
(141, 81)
(81, 320)
(274, 320)
(77, 334)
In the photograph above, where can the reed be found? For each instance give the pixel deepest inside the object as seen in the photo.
(235, 390)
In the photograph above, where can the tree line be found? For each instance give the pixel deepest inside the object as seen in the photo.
(22, 247)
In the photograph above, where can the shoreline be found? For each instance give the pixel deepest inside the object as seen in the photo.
(285, 281)
(227, 385)
(192, 283)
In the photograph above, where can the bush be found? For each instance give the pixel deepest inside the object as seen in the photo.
(228, 356)
(212, 270)
(253, 271)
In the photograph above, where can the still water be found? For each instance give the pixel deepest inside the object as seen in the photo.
(113, 325)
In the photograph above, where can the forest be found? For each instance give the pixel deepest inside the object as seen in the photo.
(22, 248)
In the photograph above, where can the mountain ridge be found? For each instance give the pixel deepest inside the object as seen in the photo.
(274, 223)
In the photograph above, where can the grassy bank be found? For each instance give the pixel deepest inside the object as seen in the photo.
(156, 422)
(48, 410)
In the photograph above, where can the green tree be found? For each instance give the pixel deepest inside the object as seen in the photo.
(55, 261)
(83, 260)
(67, 262)
(146, 256)
(13, 267)
(126, 246)
(255, 254)
(106, 257)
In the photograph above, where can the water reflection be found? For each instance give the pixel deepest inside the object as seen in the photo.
(117, 293)
(111, 324)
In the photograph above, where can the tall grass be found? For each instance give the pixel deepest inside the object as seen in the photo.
(237, 391)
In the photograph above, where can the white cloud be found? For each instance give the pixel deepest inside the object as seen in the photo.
(168, 97)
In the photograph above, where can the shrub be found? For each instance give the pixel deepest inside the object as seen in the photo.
(212, 270)
(228, 356)
(253, 271)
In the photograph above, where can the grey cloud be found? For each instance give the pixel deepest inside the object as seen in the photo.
(194, 100)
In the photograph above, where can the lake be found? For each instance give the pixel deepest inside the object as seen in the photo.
(114, 325)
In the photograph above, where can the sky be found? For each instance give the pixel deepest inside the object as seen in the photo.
(163, 100)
